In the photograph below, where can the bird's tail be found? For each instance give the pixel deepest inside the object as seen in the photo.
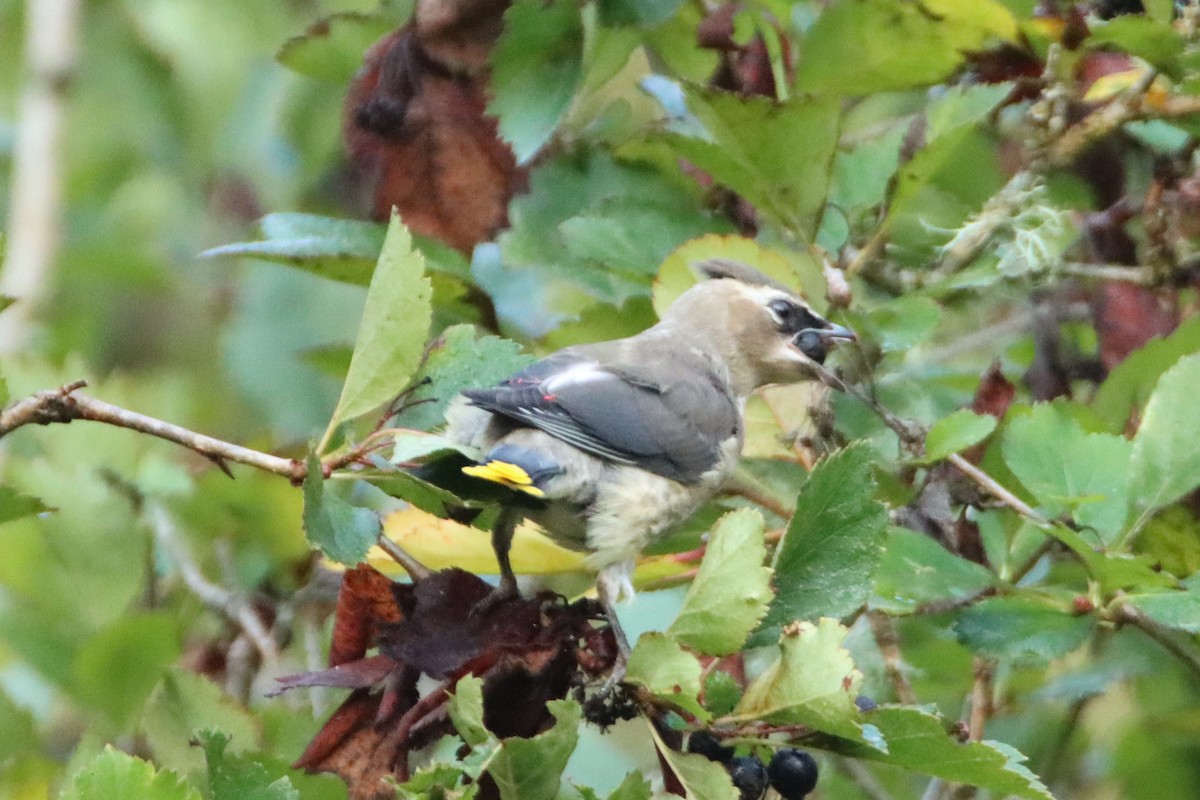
(520, 468)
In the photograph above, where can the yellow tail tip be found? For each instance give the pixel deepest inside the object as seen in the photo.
(505, 474)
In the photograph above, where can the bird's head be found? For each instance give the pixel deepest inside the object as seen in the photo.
(765, 332)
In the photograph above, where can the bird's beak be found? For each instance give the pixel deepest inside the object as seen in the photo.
(836, 333)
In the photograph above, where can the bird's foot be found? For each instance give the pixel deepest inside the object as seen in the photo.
(506, 590)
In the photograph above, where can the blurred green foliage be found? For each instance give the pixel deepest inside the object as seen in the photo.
(885, 147)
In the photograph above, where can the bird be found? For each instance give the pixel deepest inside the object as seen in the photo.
(608, 445)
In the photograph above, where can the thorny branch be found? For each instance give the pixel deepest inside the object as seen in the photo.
(67, 404)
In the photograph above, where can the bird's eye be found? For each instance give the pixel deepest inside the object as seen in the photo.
(792, 317)
(784, 312)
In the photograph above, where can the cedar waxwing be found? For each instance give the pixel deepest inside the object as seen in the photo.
(621, 440)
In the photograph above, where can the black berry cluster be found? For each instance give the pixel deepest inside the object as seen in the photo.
(792, 773)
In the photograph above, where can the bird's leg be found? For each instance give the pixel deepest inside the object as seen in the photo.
(502, 536)
(612, 583)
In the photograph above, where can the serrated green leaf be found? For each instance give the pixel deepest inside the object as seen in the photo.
(957, 432)
(343, 532)
(183, 704)
(395, 325)
(531, 769)
(1178, 610)
(536, 66)
(338, 249)
(702, 779)
(1022, 629)
(894, 44)
(457, 361)
(117, 669)
(113, 774)
(732, 589)
(722, 693)
(916, 569)
(332, 48)
(634, 787)
(749, 145)
(1165, 463)
(240, 778)
(1070, 471)
(832, 545)
(466, 710)
(1128, 387)
(919, 740)
(14, 505)
(1114, 571)
(659, 663)
(813, 682)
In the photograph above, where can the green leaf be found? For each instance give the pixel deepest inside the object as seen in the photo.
(338, 249)
(895, 44)
(813, 682)
(916, 569)
(118, 668)
(832, 545)
(457, 361)
(749, 145)
(466, 710)
(722, 693)
(395, 325)
(1070, 471)
(702, 779)
(343, 532)
(1022, 629)
(659, 663)
(732, 589)
(634, 787)
(531, 769)
(536, 66)
(1156, 42)
(1115, 571)
(113, 774)
(957, 432)
(332, 48)
(1128, 387)
(240, 778)
(642, 13)
(920, 741)
(1178, 610)
(183, 704)
(1165, 463)
(14, 505)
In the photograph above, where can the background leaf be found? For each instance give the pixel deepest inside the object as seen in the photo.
(823, 564)
(1163, 465)
(394, 326)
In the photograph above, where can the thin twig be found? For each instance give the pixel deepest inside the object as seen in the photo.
(888, 642)
(1128, 614)
(415, 569)
(981, 698)
(66, 404)
(225, 602)
(992, 487)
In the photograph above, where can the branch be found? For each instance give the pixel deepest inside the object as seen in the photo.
(66, 404)
(992, 487)
(219, 599)
(1127, 614)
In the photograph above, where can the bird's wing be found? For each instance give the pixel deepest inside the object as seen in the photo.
(627, 413)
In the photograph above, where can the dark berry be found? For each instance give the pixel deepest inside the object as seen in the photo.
(749, 776)
(865, 703)
(793, 773)
(705, 744)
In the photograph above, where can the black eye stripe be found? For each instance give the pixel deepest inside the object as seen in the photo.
(794, 318)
